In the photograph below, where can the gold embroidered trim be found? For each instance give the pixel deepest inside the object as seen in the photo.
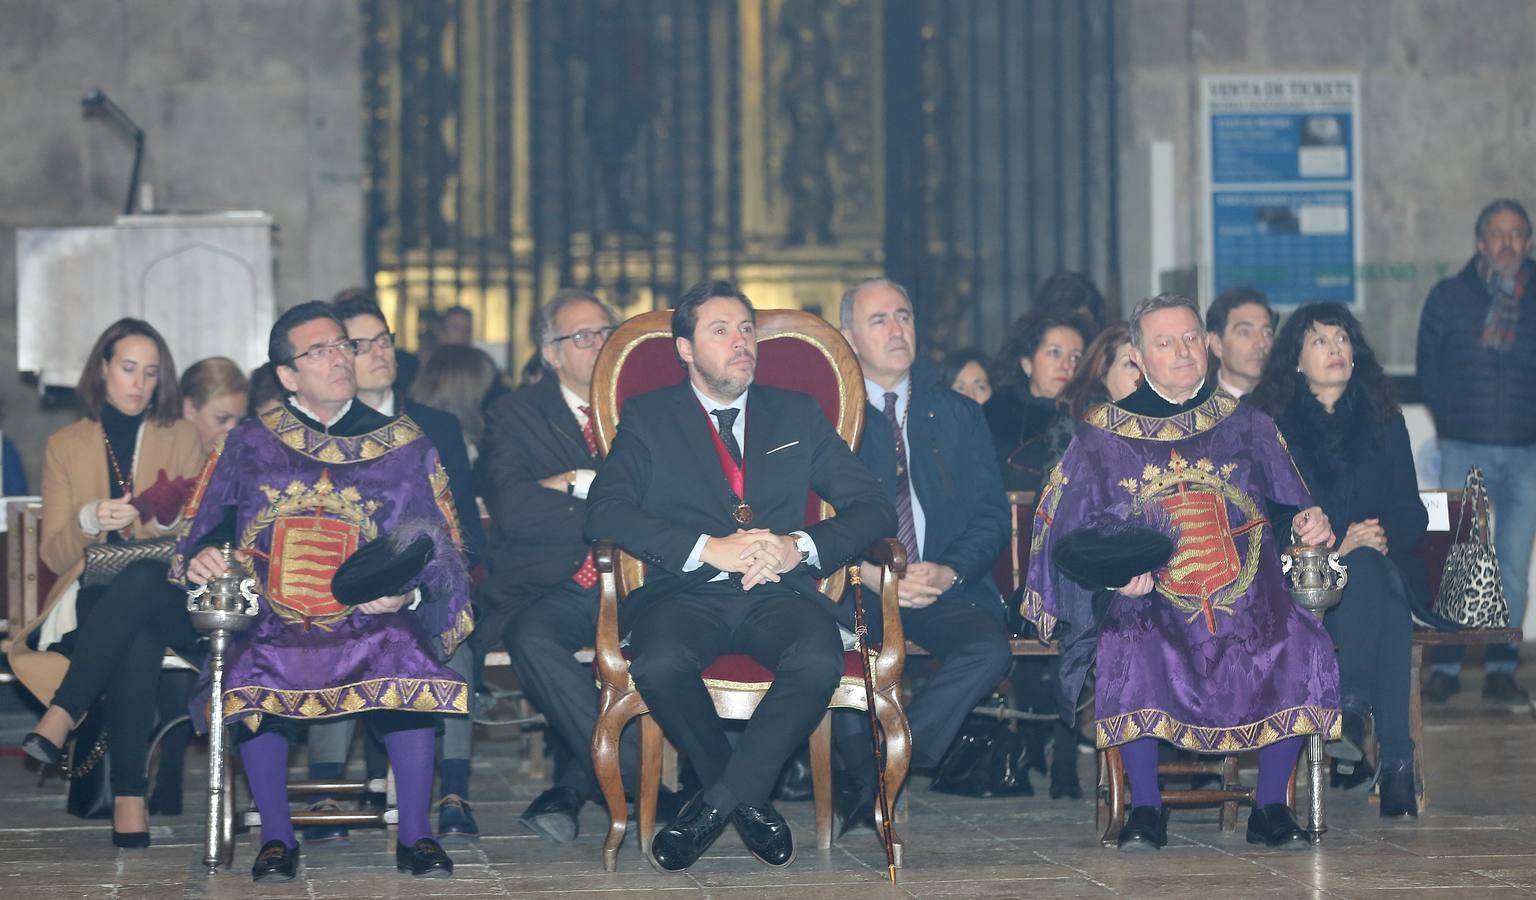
(1294, 722)
(461, 629)
(335, 449)
(410, 694)
(1033, 610)
(1202, 418)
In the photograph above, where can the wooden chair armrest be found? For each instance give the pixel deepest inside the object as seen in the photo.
(607, 658)
(888, 552)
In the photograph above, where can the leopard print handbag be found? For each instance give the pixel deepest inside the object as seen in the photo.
(1471, 591)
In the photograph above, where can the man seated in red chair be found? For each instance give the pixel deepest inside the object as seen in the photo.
(706, 483)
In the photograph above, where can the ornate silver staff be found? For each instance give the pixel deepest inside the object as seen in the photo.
(1317, 581)
(876, 731)
(225, 606)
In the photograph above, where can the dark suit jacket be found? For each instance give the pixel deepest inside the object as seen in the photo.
(955, 477)
(445, 433)
(661, 487)
(536, 542)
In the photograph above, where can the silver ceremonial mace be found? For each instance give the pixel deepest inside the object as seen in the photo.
(225, 606)
(1317, 581)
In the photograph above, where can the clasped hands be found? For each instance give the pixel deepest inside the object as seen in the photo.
(757, 554)
(918, 586)
(1310, 526)
(209, 564)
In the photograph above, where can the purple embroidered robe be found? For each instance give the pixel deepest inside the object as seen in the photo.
(302, 501)
(1217, 658)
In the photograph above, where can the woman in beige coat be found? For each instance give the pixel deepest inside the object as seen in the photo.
(122, 473)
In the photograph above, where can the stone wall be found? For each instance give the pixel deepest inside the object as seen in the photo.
(1448, 118)
(247, 104)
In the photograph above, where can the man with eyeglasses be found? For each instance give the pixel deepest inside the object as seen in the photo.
(330, 743)
(298, 492)
(539, 457)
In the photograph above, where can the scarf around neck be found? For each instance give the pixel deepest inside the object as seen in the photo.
(1504, 312)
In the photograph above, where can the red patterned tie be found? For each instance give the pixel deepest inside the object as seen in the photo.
(586, 576)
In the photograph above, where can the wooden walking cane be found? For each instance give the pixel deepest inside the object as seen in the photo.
(876, 732)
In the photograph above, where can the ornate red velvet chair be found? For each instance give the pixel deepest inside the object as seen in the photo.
(797, 351)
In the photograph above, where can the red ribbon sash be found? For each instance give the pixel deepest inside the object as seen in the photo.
(733, 471)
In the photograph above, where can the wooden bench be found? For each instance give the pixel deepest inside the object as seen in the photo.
(1433, 550)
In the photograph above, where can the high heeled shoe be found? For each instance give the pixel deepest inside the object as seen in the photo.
(130, 840)
(41, 749)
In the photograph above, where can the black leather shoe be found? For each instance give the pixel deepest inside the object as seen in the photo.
(1441, 687)
(423, 859)
(1350, 746)
(1146, 828)
(684, 840)
(275, 862)
(456, 819)
(1500, 688)
(854, 811)
(1358, 774)
(555, 814)
(1275, 825)
(325, 835)
(1399, 796)
(130, 840)
(41, 749)
(766, 834)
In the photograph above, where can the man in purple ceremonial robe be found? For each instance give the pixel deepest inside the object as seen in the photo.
(297, 492)
(1208, 652)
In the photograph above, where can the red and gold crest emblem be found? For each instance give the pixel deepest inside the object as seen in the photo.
(306, 552)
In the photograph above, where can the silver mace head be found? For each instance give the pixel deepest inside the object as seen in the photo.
(227, 602)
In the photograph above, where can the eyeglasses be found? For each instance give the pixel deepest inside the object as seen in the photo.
(385, 341)
(586, 337)
(323, 352)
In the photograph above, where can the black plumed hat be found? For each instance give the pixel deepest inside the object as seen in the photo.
(385, 567)
(1105, 557)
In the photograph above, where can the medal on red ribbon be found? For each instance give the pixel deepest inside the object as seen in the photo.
(734, 476)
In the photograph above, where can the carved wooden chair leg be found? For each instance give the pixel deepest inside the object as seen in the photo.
(898, 756)
(821, 779)
(1416, 727)
(651, 741)
(615, 714)
(1114, 768)
(533, 741)
(669, 767)
(1229, 780)
(1290, 784)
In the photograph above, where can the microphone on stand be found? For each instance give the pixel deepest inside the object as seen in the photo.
(96, 103)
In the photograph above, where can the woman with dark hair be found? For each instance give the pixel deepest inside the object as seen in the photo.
(267, 391)
(1073, 295)
(1334, 405)
(964, 371)
(1038, 361)
(1106, 374)
(120, 474)
(457, 379)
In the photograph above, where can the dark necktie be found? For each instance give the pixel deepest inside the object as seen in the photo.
(727, 418)
(587, 432)
(906, 531)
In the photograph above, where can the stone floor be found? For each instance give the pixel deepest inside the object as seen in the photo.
(1477, 839)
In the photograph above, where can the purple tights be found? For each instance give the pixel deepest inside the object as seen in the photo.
(410, 755)
(1275, 764)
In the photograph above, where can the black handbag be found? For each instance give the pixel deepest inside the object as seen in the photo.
(105, 561)
(986, 760)
(89, 768)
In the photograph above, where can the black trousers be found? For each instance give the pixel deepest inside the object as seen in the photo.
(541, 641)
(795, 637)
(117, 652)
(971, 643)
(1373, 629)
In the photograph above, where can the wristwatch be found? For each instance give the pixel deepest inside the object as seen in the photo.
(570, 483)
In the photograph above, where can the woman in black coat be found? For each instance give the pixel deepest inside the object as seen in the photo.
(1040, 358)
(1334, 405)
